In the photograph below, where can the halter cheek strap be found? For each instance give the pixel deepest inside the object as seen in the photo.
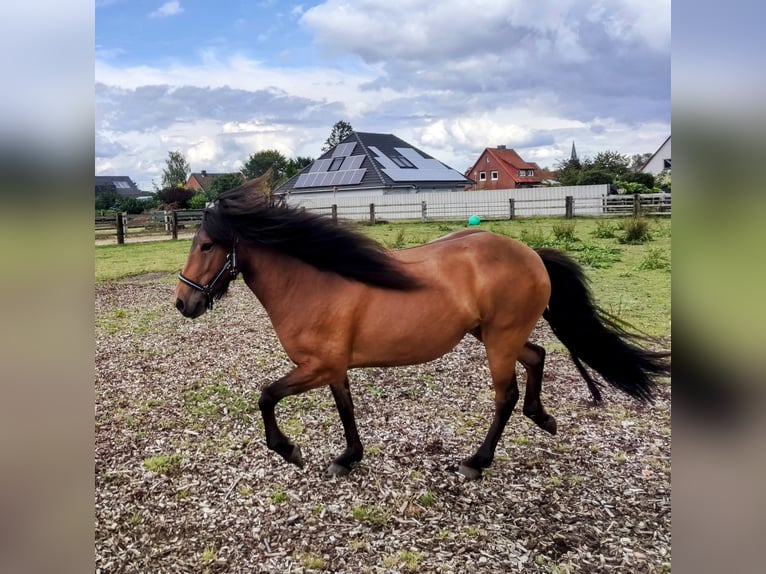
(229, 265)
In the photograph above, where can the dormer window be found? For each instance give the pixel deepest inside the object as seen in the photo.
(336, 163)
(402, 162)
(530, 172)
(522, 173)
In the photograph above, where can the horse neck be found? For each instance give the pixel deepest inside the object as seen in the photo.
(277, 280)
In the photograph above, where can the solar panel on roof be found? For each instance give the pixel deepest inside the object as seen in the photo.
(342, 150)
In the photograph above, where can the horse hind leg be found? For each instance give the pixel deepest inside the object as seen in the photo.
(503, 370)
(532, 358)
(341, 466)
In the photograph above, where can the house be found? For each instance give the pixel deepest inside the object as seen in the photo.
(502, 168)
(373, 164)
(203, 180)
(122, 184)
(660, 160)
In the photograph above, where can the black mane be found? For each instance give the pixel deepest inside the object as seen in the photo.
(249, 216)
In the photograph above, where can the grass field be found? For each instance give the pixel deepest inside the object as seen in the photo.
(630, 280)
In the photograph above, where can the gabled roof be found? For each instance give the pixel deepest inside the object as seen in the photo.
(659, 149)
(205, 178)
(512, 163)
(122, 184)
(365, 160)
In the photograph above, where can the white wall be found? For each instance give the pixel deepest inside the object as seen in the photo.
(488, 204)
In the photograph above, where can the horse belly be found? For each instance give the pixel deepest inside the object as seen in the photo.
(407, 334)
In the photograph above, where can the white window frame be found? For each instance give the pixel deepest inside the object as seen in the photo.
(522, 173)
(530, 173)
(482, 176)
(493, 175)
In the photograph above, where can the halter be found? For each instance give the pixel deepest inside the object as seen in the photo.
(229, 265)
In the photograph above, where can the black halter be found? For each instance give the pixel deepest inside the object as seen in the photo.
(229, 265)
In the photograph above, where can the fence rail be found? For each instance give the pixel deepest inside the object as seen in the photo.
(416, 207)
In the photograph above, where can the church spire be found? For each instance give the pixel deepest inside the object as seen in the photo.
(574, 153)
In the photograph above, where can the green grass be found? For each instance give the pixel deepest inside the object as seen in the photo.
(119, 261)
(163, 464)
(627, 279)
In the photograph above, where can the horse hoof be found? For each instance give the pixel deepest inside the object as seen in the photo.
(295, 456)
(549, 424)
(469, 472)
(336, 469)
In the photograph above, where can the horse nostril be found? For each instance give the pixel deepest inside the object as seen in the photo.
(180, 305)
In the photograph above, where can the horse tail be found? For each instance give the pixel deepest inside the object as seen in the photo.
(596, 337)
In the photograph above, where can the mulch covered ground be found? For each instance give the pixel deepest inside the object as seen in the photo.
(184, 482)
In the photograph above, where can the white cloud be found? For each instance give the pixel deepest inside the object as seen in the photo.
(172, 8)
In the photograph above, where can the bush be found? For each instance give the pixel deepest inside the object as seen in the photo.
(535, 238)
(636, 230)
(645, 179)
(564, 231)
(198, 201)
(655, 259)
(604, 230)
(595, 177)
(175, 196)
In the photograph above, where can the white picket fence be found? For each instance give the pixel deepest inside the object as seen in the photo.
(587, 200)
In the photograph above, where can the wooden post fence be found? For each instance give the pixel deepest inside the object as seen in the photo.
(334, 209)
(511, 208)
(121, 228)
(423, 212)
(636, 204)
(175, 224)
(372, 214)
(569, 207)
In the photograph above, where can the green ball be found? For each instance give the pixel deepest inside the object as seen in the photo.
(474, 220)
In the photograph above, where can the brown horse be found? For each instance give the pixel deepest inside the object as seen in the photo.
(338, 300)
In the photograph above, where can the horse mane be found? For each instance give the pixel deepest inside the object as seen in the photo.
(245, 214)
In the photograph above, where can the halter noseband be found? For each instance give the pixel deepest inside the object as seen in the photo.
(229, 265)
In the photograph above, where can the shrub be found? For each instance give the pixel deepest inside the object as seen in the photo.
(655, 259)
(645, 179)
(595, 177)
(604, 230)
(636, 230)
(177, 196)
(534, 238)
(564, 231)
(198, 201)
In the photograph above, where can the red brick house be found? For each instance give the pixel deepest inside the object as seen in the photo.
(201, 181)
(502, 168)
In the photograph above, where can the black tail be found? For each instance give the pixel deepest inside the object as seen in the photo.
(595, 337)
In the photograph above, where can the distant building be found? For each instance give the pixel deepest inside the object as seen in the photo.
(122, 184)
(203, 180)
(373, 164)
(660, 160)
(502, 168)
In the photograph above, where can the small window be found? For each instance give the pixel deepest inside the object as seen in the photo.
(530, 172)
(666, 163)
(482, 176)
(493, 175)
(336, 163)
(402, 162)
(522, 173)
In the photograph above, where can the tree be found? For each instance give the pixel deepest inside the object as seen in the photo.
(176, 172)
(595, 177)
(637, 161)
(223, 183)
(567, 171)
(339, 132)
(611, 162)
(175, 196)
(295, 165)
(259, 163)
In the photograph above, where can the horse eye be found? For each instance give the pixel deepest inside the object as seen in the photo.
(206, 247)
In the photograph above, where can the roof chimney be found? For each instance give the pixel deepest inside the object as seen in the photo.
(501, 146)
(204, 173)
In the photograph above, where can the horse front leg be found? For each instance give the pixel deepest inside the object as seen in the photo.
(506, 396)
(341, 466)
(297, 381)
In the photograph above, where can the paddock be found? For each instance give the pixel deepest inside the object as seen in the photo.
(184, 481)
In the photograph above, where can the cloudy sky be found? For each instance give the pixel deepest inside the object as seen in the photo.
(219, 81)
